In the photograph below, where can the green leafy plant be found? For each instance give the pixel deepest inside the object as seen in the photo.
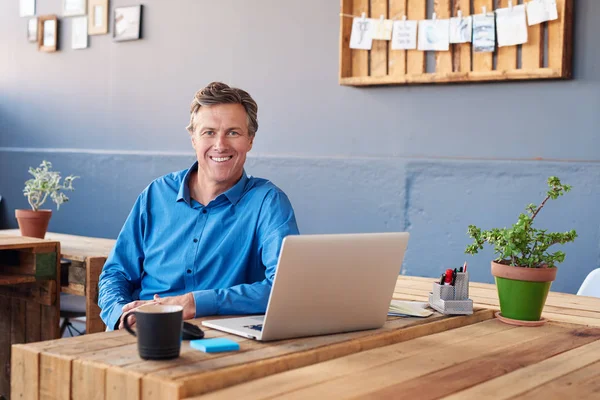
(46, 182)
(522, 245)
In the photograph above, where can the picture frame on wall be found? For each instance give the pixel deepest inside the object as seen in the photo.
(127, 23)
(47, 33)
(27, 8)
(73, 8)
(97, 17)
(79, 33)
(32, 26)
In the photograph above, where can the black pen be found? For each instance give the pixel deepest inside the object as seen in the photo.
(442, 279)
(454, 276)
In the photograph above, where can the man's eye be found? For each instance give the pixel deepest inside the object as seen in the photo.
(234, 133)
(208, 133)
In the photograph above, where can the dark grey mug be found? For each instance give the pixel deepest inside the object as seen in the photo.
(158, 330)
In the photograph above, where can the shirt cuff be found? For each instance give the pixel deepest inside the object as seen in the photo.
(206, 302)
(115, 315)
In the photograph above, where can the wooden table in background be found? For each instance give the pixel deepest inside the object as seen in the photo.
(87, 256)
(472, 356)
(29, 301)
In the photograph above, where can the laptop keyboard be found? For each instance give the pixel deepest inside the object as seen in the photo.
(257, 327)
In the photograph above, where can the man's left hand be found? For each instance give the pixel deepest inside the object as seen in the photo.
(185, 300)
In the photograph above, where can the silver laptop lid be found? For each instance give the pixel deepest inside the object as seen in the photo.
(333, 283)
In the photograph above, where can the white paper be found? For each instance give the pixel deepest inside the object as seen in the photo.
(404, 36)
(461, 30)
(74, 7)
(49, 39)
(98, 14)
(27, 8)
(79, 33)
(484, 35)
(434, 35)
(539, 11)
(127, 23)
(361, 38)
(511, 26)
(382, 29)
(32, 29)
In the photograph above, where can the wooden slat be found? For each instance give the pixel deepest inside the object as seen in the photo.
(443, 59)
(581, 384)
(5, 337)
(55, 378)
(25, 373)
(17, 324)
(483, 62)
(88, 380)
(345, 31)
(379, 53)
(33, 318)
(15, 279)
(360, 58)
(462, 51)
(43, 292)
(507, 56)
(489, 366)
(532, 52)
(397, 58)
(560, 38)
(50, 322)
(528, 378)
(415, 59)
(92, 311)
(271, 360)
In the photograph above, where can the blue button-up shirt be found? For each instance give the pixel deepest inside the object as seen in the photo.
(225, 253)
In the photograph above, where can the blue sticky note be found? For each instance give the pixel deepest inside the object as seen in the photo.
(214, 345)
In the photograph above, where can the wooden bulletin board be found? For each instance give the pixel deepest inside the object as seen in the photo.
(546, 55)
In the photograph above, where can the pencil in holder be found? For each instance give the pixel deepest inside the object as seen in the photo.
(452, 299)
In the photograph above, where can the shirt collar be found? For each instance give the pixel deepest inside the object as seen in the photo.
(234, 194)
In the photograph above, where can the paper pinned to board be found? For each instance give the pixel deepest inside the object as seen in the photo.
(409, 309)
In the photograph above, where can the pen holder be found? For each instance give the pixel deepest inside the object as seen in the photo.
(452, 299)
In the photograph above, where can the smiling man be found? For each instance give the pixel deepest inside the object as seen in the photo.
(206, 238)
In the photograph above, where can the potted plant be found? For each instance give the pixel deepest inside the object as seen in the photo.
(524, 268)
(34, 222)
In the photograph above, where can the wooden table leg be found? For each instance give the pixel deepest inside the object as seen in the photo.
(93, 268)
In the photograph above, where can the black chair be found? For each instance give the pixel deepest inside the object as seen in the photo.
(71, 306)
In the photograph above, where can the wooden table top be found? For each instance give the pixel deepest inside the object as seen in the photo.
(74, 247)
(476, 354)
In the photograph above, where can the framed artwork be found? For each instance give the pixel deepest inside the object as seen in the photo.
(128, 23)
(27, 8)
(32, 25)
(97, 17)
(47, 33)
(79, 33)
(73, 8)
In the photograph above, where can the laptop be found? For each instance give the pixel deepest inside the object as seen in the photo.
(326, 284)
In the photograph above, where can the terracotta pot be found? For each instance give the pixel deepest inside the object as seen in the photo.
(33, 223)
(522, 292)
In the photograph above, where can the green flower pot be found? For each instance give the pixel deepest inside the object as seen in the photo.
(522, 291)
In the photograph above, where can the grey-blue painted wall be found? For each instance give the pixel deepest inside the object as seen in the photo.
(427, 159)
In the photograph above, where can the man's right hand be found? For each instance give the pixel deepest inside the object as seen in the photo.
(130, 307)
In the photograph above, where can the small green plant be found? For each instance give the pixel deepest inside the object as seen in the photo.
(46, 182)
(522, 245)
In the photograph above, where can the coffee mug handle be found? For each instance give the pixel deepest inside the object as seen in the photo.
(126, 324)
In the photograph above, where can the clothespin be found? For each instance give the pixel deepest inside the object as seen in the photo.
(363, 17)
(484, 10)
(459, 14)
(381, 18)
(434, 17)
(510, 5)
(404, 20)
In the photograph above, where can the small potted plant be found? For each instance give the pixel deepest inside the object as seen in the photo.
(524, 268)
(34, 222)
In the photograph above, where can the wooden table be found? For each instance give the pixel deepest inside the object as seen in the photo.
(87, 256)
(476, 356)
(29, 302)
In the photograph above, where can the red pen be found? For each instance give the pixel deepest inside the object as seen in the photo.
(465, 267)
(448, 277)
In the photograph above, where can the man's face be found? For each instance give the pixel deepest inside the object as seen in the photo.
(221, 141)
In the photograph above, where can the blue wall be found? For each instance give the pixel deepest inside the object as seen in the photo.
(427, 159)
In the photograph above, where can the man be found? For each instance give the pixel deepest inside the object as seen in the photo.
(207, 238)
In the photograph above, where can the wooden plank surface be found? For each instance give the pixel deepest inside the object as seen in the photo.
(5, 337)
(459, 359)
(415, 59)
(507, 56)
(532, 52)
(25, 372)
(360, 58)
(379, 52)
(560, 38)
(345, 31)
(462, 51)
(397, 58)
(580, 384)
(443, 59)
(93, 269)
(483, 62)
(15, 279)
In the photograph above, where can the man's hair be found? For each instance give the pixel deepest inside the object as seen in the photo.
(220, 93)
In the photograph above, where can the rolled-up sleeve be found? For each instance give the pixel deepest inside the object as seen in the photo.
(121, 275)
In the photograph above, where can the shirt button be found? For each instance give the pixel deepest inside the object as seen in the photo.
(204, 211)
(189, 271)
(195, 240)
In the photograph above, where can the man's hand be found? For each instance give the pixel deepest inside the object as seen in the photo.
(130, 307)
(185, 300)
